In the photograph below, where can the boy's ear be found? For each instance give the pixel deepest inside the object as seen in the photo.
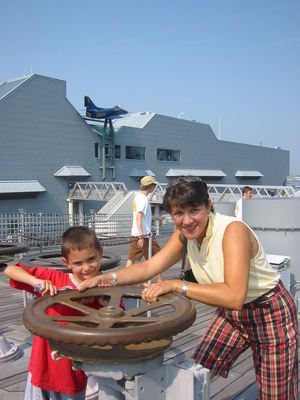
(65, 261)
(101, 252)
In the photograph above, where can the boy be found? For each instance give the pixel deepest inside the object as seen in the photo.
(48, 379)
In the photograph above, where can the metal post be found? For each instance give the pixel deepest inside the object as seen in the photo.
(150, 246)
(8, 353)
(149, 256)
(92, 219)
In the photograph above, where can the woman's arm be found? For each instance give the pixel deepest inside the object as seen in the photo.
(169, 255)
(239, 246)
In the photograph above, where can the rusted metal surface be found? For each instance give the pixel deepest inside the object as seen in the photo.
(111, 332)
(8, 248)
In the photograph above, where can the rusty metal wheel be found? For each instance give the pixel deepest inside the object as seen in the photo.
(7, 248)
(52, 260)
(109, 334)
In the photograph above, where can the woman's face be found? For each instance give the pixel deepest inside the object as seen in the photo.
(191, 221)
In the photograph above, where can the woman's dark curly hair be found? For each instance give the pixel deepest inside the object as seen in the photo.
(186, 191)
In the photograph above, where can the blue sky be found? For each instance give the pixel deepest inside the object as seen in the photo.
(233, 64)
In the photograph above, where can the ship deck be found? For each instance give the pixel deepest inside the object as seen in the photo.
(240, 384)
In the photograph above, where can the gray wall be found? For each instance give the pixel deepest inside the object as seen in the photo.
(276, 221)
(43, 133)
(200, 149)
(226, 208)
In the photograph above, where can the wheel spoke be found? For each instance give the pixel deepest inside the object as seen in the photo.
(115, 299)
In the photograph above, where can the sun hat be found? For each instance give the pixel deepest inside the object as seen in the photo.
(148, 180)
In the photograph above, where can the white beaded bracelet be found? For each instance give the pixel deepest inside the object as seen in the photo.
(114, 278)
(184, 289)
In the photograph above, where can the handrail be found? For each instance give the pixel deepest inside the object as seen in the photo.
(95, 190)
(226, 193)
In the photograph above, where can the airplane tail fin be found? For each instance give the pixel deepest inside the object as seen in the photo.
(88, 103)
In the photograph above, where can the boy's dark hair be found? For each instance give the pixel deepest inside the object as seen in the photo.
(247, 189)
(78, 238)
(186, 191)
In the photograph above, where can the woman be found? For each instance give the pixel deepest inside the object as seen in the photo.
(254, 309)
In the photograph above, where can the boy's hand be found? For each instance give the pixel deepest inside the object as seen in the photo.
(44, 287)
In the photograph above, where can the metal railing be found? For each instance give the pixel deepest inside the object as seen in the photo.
(43, 231)
(231, 193)
(95, 190)
(104, 191)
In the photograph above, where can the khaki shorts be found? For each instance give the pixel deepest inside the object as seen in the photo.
(136, 253)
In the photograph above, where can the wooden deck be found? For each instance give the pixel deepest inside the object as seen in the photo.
(239, 385)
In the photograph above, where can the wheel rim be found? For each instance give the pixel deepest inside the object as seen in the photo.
(109, 333)
(52, 260)
(7, 248)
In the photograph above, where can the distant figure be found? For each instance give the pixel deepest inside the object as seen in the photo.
(141, 224)
(247, 192)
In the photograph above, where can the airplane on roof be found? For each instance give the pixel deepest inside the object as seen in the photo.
(94, 112)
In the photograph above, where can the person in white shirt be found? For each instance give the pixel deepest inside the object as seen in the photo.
(247, 193)
(141, 225)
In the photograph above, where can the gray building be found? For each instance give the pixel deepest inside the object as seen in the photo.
(46, 147)
(171, 147)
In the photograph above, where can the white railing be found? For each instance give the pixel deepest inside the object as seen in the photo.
(231, 193)
(42, 231)
(95, 190)
(104, 191)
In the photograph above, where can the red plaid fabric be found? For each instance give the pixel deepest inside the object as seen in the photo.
(271, 330)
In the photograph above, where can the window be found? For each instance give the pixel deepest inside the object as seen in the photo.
(135, 153)
(168, 155)
(97, 150)
(117, 151)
